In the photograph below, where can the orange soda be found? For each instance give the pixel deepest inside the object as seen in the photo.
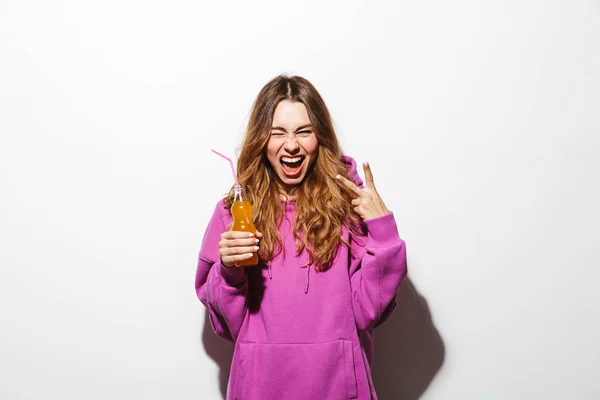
(241, 211)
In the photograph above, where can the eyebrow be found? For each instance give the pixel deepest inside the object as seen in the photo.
(297, 129)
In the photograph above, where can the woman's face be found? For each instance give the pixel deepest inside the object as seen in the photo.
(293, 145)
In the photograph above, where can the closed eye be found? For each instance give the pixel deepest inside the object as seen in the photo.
(304, 133)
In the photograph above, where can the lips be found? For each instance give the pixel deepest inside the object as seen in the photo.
(292, 166)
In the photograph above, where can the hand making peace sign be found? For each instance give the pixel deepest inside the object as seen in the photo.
(368, 204)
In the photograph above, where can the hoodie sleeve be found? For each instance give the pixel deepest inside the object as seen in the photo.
(377, 269)
(221, 289)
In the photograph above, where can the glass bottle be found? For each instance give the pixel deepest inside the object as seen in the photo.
(241, 211)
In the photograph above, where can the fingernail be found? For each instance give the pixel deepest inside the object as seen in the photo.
(255, 248)
(338, 177)
(256, 241)
(251, 234)
(366, 163)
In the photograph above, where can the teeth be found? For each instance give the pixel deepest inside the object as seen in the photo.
(291, 160)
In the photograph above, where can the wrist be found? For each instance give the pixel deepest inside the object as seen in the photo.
(233, 275)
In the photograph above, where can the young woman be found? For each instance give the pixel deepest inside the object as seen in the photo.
(330, 258)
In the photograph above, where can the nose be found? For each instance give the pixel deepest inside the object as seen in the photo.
(291, 146)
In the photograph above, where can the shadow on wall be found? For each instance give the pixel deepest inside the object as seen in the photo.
(220, 350)
(409, 351)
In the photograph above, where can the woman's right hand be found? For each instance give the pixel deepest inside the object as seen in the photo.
(236, 246)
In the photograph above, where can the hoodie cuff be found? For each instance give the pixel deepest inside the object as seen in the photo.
(383, 230)
(233, 276)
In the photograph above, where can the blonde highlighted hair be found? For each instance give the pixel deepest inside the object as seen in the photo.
(323, 206)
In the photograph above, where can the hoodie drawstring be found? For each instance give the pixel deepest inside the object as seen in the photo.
(269, 266)
(307, 275)
(307, 279)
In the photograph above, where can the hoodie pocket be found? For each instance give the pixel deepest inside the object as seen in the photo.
(295, 371)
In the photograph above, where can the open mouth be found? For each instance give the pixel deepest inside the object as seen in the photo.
(292, 166)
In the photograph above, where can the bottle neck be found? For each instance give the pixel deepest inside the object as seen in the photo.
(238, 193)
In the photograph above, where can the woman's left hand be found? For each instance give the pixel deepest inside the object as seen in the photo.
(368, 204)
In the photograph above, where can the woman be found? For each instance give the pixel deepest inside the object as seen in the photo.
(331, 260)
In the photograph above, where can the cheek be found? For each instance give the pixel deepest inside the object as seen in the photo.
(312, 146)
(272, 149)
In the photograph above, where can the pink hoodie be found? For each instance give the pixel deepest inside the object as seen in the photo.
(299, 333)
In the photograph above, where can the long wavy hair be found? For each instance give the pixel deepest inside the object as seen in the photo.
(323, 206)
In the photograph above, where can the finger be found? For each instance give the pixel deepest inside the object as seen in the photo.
(231, 251)
(259, 234)
(356, 202)
(232, 260)
(226, 243)
(368, 175)
(350, 185)
(231, 235)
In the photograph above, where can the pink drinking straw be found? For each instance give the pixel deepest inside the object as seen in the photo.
(237, 185)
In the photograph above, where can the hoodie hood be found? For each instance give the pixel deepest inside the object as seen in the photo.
(350, 164)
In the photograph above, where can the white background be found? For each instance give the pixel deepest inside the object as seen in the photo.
(481, 123)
